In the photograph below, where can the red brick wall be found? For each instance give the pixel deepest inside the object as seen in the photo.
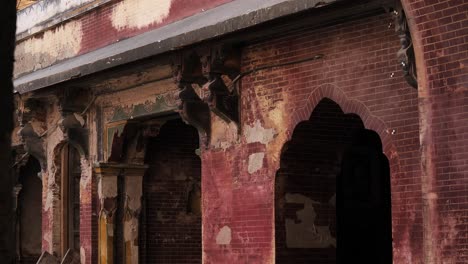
(360, 73)
(439, 30)
(310, 164)
(88, 217)
(99, 32)
(172, 234)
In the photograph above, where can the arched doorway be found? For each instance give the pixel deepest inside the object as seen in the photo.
(70, 199)
(308, 196)
(30, 212)
(171, 216)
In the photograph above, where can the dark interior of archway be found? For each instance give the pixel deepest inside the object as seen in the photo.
(305, 211)
(30, 212)
(364, 218)
(70, 194)
(171, 217)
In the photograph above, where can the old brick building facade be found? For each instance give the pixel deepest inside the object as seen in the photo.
(233, 131)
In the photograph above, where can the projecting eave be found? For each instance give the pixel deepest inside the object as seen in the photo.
(224, 19)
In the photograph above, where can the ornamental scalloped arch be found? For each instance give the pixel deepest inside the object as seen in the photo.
(348, 106)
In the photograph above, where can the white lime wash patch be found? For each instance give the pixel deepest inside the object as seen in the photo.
(140, 13)
(41, 11)
(257, 133)
(255, 162)
(224, 236)
(57, 44)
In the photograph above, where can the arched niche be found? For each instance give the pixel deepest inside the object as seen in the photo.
(29, 212)
(308, 194)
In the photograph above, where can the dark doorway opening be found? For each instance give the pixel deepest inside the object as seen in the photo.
(171, 215)
(70, 199)
(30, 212)
(309, 190)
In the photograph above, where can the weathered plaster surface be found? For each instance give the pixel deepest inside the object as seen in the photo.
(257, 133)
(305, 234)
(224, 236)
(107, 187)
(151, 98)
(131, 239)
(42, 11)
(133, 190)
(255, 162)
(54, 45)
(139, 13)
(223, 135)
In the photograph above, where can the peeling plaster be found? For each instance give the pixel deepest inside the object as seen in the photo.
(57, 44)
(133, 189)
(85, 181)
(140, 13)
(224, 236)
(107, 188)
(110, 229)
(257, 133)
(40, 12)
(82, 255)
(131, 229)
(256, 162)
(306, 234)
(223, 135)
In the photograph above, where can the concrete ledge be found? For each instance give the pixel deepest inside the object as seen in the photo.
(227, 18)
(49, 13)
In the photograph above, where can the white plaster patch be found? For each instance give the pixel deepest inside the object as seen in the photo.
(255, 162)
(82, 255)
(224, 236)
(223, 135)
(43, 10)
(49, 200)
(86, 174)
(306, 234)
(107, 187)
(133, 187)
(257, 133)
(55, 45)
(131, 229)
(110, 230)
(140, 13)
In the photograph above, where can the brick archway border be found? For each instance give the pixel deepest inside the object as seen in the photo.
(348, 106)
(351, 106)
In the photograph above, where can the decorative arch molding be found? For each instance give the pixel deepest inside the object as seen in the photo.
(348, 106)
(372, 122)
(53, 197)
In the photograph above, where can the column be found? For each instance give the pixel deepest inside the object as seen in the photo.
(107, 174)
(133, 192)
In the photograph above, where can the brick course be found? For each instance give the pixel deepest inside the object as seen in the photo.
(359, 72)
(439, 31)
(172, 231)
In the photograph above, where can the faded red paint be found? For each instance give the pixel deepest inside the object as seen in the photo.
(357, 72)
(439, 30)
(99, 32)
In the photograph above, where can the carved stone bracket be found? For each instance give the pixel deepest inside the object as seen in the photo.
(204, 79)
(31, 117)
(71, 102)
(129, 138)
(406, 53)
